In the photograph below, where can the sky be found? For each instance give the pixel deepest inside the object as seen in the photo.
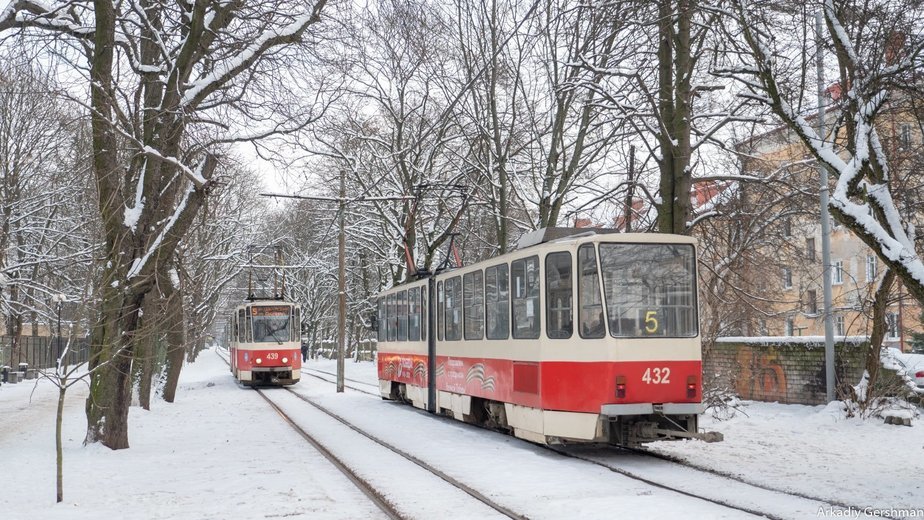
(220, 451)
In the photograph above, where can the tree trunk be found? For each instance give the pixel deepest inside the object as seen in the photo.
(176, 343)
(147, 349)
(674, 98)
(880, 305)
(59, 451)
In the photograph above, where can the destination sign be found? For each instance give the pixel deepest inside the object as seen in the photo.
(276, 310)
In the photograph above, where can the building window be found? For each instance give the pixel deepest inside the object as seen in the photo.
(837, 272)
(790, 327)
(892, 325)
(839, 327)
(810, 249)
(870, 268)
(811, 302)
(787, 278)
(904, 136)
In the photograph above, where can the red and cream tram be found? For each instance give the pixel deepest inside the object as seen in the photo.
(591, 337)
(265, 343)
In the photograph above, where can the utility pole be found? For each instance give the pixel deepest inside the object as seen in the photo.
(341, 285)
(825, 218)
(341, 201)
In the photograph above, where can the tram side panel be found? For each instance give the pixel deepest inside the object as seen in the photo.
(402, 360)
(549, 383)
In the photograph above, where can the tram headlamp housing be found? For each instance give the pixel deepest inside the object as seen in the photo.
(285, 360)
(259, 361)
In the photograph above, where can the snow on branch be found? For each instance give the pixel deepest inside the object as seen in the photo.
(139, 263)
(193, 175)
(37, 14)
(200, 89)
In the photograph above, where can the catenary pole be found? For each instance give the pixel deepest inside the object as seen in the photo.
(825, 217)
(341, 285)
(341, 255)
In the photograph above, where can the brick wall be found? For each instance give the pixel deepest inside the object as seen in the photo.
(786, 370)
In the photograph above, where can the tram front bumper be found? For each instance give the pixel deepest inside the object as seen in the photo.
(616, 410)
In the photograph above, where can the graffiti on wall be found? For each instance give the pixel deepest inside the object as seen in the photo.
(762, 376)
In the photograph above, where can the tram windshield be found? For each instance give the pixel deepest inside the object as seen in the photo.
(650, 289)
(271, 324)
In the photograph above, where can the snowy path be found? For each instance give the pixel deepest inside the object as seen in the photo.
(222, 452)
(219, 452)
(812, 450)
(523, 477)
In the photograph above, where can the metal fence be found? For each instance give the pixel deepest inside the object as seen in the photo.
(40, 351)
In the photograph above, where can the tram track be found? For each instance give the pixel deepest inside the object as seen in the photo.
(477, 495)
(375, 494)
(313, 372)
(364, 486)
(695, 467)
(667, 459)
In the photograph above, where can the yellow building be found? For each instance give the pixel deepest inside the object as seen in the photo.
(856, 271)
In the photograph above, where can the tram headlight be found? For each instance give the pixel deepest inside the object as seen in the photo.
(285, 360)
(259, 361)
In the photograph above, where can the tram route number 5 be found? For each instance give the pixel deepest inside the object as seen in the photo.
(657, 376)
(651, 322)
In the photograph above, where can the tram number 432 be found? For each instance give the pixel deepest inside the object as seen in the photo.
(657, 376)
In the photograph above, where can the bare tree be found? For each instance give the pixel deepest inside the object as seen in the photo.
(46, 236)
(873, 69)
(155, 70)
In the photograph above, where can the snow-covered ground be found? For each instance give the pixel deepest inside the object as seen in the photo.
(221, 452)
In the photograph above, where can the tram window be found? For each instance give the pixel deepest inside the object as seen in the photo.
(440, 308)
(296, 324)
(402, 316)
(392, 318)
(413, 314)
(525, 285)
(473, 297)
(590, 304)
(382, 321)
(248, 337)
(497, 301)
(271, 324)
(558, 295)
(239, 326)
(454, 308)
(650, 289)
(424, 312)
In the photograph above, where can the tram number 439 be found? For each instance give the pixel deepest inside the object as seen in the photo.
(657, 376)
(272, 355)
